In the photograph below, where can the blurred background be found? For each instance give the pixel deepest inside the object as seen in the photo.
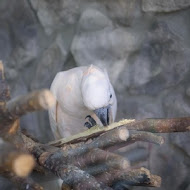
(143, 44)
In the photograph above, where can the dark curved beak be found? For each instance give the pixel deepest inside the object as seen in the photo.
(104, 115)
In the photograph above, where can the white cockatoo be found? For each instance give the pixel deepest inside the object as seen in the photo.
(82, 93)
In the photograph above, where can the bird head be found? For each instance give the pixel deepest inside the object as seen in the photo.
(96, 93)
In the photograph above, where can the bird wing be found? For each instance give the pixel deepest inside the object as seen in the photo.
(63, 124)
(69, 110)
(53, 123)
(54, 111)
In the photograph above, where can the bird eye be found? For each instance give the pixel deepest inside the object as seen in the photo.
(110, 95)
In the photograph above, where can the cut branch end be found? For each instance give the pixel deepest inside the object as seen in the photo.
(123, 134)
(23, 165)
(46, 99)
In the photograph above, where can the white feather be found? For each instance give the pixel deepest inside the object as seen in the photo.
(77, 94)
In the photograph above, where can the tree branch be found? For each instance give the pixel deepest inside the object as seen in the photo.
(103, 141)
(55, 161)
(98, 156)
(63, 163)
(161, 125)
(135, 177)
(135, 136)
(149, 125)
(37, 100)
(88, 134)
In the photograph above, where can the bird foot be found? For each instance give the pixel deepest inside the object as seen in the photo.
(90, 123)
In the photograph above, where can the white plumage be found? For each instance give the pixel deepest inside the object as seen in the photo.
(80, 92)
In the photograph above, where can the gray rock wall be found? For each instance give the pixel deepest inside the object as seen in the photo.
(144, 45)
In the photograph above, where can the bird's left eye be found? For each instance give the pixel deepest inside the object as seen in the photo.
(110, 96)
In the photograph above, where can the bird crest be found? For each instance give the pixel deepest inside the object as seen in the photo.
(90, 70)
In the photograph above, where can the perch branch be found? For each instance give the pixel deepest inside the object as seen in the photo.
(149, 125)
(85, 185)
(106, 140)
(71, 175)
(37, 100)
(154, 181)
(161, 125)
(135, 136)
(58, 162)
(144, 136)
(135, 177)
(91, 133)
(98, 156)
(15, 108)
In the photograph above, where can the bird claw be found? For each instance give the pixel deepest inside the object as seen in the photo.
(88, 125)
(91, 122)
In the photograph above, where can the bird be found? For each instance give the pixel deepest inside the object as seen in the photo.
(84, 97)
